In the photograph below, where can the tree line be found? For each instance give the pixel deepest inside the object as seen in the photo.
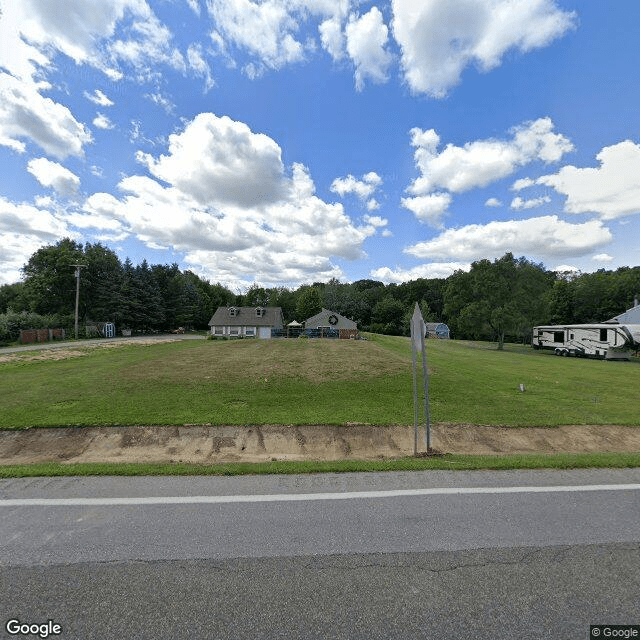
(500, 300)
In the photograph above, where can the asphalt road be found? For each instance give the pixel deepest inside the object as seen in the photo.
(400, 555)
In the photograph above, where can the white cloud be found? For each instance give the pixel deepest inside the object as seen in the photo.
(270, 32)
(482, 162)
(195, 6)
(430, 208)
(265, 30)
(102, 122)
(439, 38)
(566, 269)
(86, 32)
(97, 97)
(54, 175)
(519, 204)
(430, 270)
(602, 257)
(376, 221)
(546, 236)
(23, 230)
(219, 161)
(162, 101)
(611, 190)
(93, 32)
(493, 202)
(367, 38)
(198, 64)
(234, 209)
(523, 183)
(26, 114)
(332, 37)
(363, 189)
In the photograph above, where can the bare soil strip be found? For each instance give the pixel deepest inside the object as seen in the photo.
(213, 444)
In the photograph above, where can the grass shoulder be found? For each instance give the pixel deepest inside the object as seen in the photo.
(447, 462)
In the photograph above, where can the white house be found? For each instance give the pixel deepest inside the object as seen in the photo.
(249, 322)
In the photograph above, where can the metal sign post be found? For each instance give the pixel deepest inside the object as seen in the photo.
(417, 343)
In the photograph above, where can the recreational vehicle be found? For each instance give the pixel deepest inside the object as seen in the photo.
(606, 341)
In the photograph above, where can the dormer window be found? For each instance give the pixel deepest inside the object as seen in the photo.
(233, 312)
(260, 312)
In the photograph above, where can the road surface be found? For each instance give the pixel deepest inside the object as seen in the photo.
(529, 554)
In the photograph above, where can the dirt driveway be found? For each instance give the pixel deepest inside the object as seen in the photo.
(209, 444)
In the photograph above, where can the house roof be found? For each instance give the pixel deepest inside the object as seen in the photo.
(247, 316)
(629, 316)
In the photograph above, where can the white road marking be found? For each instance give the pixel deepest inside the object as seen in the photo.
(302, 497)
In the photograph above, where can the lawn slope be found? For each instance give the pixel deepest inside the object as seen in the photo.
(313, 382)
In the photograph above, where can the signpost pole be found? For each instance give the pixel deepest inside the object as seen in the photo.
(417, 342)
(427, 412)
(415, 396)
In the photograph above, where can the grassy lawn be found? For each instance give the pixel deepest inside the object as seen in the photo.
(448, 462)
(313, 382)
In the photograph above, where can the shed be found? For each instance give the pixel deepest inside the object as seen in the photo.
(436, 330)
(328, 319)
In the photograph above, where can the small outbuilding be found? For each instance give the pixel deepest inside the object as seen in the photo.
(330, 321)
(294, 329)
(246, 322)
(436, 330)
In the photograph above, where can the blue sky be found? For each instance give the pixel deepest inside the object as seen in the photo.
(290, 141)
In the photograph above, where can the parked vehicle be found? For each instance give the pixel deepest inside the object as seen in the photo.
(605, 341)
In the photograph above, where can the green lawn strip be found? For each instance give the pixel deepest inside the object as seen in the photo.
(301, 382)
(447, 462)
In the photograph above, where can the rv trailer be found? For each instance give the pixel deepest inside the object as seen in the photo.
(604, 341)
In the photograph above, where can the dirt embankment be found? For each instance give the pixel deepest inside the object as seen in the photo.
(210, 444)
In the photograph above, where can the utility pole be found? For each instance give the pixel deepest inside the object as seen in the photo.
(78, 267)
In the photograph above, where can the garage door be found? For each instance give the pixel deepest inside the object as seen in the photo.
(264, 332)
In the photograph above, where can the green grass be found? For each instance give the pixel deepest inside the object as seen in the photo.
(313, 382)
(447, 462)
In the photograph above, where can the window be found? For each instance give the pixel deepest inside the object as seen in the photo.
(233, 312)
(558, 336)
(603, 335)
(260, 312)
(234, 331)
(218, 331)
(250, 331)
